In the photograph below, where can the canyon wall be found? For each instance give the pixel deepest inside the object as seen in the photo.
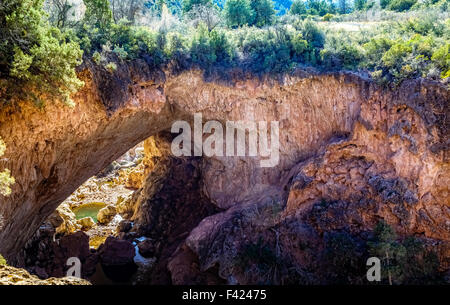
(351, 153)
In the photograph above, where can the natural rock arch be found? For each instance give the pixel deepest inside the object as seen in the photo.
(52, 152)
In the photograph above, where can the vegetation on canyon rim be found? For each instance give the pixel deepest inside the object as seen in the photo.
(43, 42)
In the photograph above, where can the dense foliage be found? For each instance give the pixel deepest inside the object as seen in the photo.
(405, 261)
(42, 50)
(35, 55)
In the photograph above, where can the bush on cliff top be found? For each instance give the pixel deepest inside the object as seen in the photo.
(2, 261)
(38, 61)
(392, 51)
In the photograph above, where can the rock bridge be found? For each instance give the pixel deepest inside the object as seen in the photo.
(339, 133)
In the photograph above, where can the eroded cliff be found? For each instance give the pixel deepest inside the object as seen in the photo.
(351, 153)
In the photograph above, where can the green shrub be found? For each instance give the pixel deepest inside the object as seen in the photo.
(98, 14)
(426, 25)
(299, 45)
(441, 57)
(208, 48)
(2, 261)
(238, 13)
(373, 49)
(177, 50)
(35, 56)
(111, 67)
(312, 34)
(298, 8)
(360, 4)
(327, 17)
(401, 5)
(268, 51)
(263, 12)
(385, 3)
(403, 262)
(338, 54)
(189, 4)
(343, 258)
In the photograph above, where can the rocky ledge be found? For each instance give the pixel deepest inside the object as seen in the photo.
(15, 276)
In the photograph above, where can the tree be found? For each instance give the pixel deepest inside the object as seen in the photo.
(5, 177)
(405, 261)
(62, 13)
(343, 7)
(401, 5)
(98, 14)
(360, 4)
(298, 8)
(238, 13)
(263, 12)
(127, 9)
(38, 61)
(208, 14)
(384, 3)
(188, 5)
(318, 7)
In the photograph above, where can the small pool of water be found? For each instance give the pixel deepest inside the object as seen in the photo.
(89, 210)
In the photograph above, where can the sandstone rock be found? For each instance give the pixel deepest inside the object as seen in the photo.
(86, 223)
(125, 207)
(14, 276)
(124, 226)
(116, 252)
(335, 120)
(69, 222)
(185, 269)
(147, 248)
(117, 258)
(106, 214)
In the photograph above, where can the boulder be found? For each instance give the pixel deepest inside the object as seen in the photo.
(69, 222)
(73, 245)
(106, 214)
(117, 259)
(86, 223)
(124, 226)
(147, 248)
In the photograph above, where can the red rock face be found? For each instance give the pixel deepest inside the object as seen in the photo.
(377, 153)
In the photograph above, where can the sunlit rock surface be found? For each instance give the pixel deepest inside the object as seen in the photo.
(370, 153)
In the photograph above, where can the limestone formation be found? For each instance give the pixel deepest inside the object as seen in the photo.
(351, 153)
(106, 214)
(15, 276)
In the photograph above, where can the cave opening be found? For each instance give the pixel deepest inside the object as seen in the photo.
(126, 221)
(98, 209)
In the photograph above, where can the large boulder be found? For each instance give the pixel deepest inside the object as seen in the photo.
(73, 245)
(117, 259)
(147, 248)
(106, 214)
(86, 223)
(65, 220)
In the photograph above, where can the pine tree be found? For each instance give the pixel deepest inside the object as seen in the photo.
(263, 12)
